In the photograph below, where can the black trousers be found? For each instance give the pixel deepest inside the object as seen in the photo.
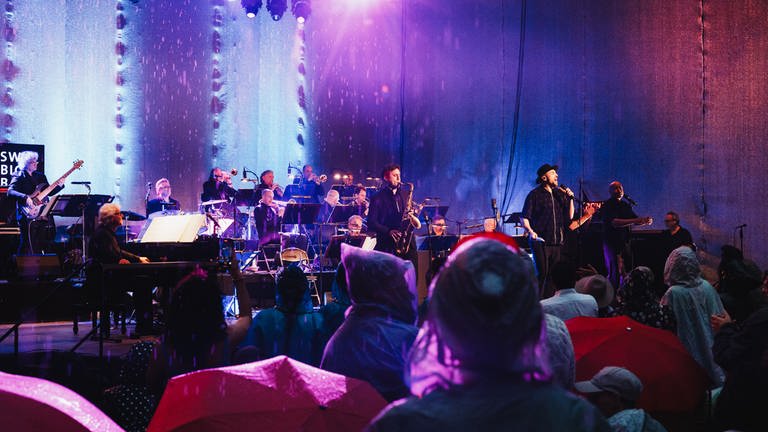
(544, 257)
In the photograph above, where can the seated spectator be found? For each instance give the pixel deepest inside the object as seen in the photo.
(601, 289)
(334, 312)
(130, 403)
(373, 341)
(560, 352)
(692, 301)
(615, 392)
(196, 335)
(567, 303)
(741, 349)
(291, 328)
(638, 301)
(477, 363)
(739, 284)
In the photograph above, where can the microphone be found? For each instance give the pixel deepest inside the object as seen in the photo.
(630, 200)
(80, 182)
(495, 209)
(244, 171)
(289, 169)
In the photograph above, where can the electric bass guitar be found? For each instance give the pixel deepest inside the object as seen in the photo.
(41, 192)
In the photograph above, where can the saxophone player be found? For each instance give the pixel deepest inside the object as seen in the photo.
(388, 210)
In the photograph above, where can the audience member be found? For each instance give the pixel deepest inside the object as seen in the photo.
(615, 392)
(477, 363)
(334, 312)
(567, 303)
(131, 403)
(373, 341)
(739, 284)
(291, 328)
(560, 352)
(638, 301)
(693, 301)
(601, 289)
(741, 349)
(196, 335)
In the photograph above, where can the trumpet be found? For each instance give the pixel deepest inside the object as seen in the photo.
(322, 179)
(233, 171)
(277, 189)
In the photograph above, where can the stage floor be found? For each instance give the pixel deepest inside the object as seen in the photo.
(58, 336)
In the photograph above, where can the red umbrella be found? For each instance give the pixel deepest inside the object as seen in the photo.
(37, 404)
(672, 380)
(279, 394)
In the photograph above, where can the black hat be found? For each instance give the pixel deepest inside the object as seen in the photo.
(543, 170)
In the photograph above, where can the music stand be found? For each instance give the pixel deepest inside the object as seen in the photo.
(300, 213)
(437, 244)
(513, 218)
(429, 212)
(80, 205)
(341, 213)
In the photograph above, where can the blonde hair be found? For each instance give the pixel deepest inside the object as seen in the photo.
(159, 182)
(109, 214)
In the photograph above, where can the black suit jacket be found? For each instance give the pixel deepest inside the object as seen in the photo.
(104, 248)
(385, 214)
(23, 184)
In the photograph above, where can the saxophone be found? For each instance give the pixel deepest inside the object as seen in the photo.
(410, 222)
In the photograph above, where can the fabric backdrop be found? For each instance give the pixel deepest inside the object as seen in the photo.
(470, 96)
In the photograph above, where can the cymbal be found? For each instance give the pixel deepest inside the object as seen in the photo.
(212, 202)
(132, 216)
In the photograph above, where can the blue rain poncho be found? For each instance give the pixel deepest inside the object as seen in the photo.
(374, 340)
(693, 301)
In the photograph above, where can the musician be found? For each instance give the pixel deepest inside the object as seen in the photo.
(268, 218)
(489, 225)
(547, 210)
(163, 200)
(326, 208)
(267, 181)
(387, 213)
(103, 248)
(359, 201)
(618, 218)
(25, 182)
(309, 185)
(218, 186)
(355, 236)
(438, 226)
(675, 235)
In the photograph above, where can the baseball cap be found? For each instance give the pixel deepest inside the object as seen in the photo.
(616, 380)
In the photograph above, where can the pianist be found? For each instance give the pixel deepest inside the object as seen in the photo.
(103, 248)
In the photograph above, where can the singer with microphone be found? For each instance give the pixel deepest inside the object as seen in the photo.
(618, 218)
(163, 200)
(547, 211)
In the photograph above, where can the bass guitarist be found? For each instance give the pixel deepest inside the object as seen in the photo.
(389, 216)
(24, 183)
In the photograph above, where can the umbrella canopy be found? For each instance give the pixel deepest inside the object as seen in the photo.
(37, 404)
(672, 380)
(278, 394)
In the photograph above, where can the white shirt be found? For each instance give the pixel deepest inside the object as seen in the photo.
(567, 304)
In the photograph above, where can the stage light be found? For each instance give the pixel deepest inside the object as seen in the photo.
(251, 7)
(301, 10)
(277, 8)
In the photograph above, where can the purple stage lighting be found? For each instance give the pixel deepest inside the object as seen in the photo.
(301, 10)
(277, 8)
(251, 7)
